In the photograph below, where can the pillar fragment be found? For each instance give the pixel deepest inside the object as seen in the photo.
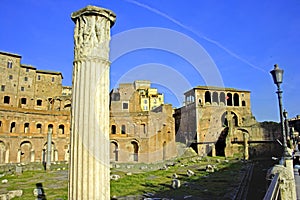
(89, 159)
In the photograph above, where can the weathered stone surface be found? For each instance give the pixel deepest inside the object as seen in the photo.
(90, 167)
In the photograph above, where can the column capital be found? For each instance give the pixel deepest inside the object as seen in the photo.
(94, 10)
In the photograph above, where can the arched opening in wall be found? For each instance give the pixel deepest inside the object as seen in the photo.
(26, 128)
(6, 99)
(113, 129)
(61, 129)
(235, 121)
(2, 152)
(53, 151)
(207, 97)
(236, 99)
(243, 103)
(12, 128)
(135, 147)
(25, 154)
(222, 99)
(114, 150)
(164, 150)
(221, 143)
(39, 128)
(224, 120)
(67, 105)
(1, 125)
(123, 129)
(50, 128)
(229, 99)
(215, 98)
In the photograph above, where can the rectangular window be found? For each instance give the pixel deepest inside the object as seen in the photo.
(23, 101)
(27, 70)
(145, 101)
(2, 87)
(25, 78)
(10, 77)
(38, 77)
(39, 102)
(9, 64)
(53, 79)
(125, 106)
(22, 89)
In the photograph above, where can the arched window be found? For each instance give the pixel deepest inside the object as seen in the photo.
(229, 99)
(215, 98)
(243, 103)
(12, 128)
(6, 99)
(143, 128)
(222, 98)
(114, 151)
(26, 128)
(236, 99)
(207, 97)
(50, 128)
(135, 148)
(123, 130)
(39, 128)
(113, 129)
(61, 129)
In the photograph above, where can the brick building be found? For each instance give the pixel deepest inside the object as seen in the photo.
(218, 121)
(142, 126)
(31, 104)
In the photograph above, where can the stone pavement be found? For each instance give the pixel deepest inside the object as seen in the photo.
(297, 183)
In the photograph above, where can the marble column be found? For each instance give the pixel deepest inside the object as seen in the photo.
(89, 159)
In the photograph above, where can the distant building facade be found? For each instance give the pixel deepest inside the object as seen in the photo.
(219, 121)
(31, 104)
(142, 126)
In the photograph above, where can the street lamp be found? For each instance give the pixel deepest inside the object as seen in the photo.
(277, 78)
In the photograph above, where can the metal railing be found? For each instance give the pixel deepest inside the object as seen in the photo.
(273, 192)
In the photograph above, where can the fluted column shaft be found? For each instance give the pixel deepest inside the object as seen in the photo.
(89, 162)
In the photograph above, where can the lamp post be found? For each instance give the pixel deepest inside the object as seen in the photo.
(277, 78)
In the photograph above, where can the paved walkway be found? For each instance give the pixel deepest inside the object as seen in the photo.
(297, 181)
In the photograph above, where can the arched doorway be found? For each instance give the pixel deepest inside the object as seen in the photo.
(25, 153)
(114, 151)
(221, 143)
(135, 148)
(2, 152)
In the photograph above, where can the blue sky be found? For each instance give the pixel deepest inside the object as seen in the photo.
(190, 43)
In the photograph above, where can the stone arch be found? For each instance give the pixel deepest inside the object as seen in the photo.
(245, 137)
(12, 128)
(221, 142)
(222, 99)
(224, 121)
(135, 151)
(114, 151)
(54, 152)
(3, 150)
(67, 104)
(39, 128)
(229, 99)
(207, 97)
(113, 129)
(26, 153)
(215, 98)
(123, 129)
(236, 99)
(26, 127)
(61, 129)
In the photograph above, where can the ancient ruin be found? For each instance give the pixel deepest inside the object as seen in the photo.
(89, 163)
